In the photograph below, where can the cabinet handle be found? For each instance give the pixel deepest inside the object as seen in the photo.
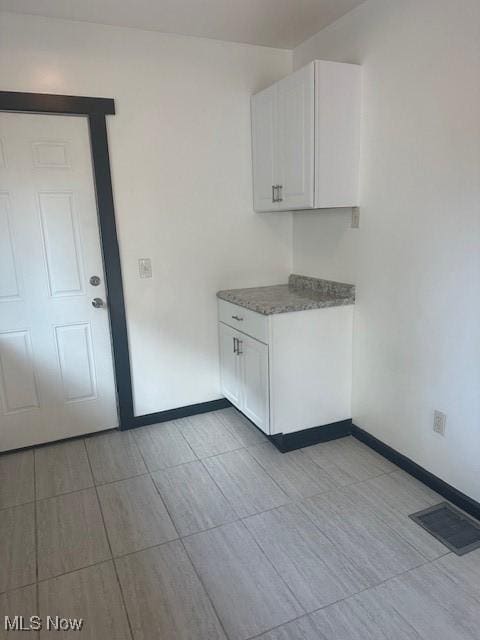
(275, 193)
(237, 318)
(280, 193)
(235, 340)
(239, 343)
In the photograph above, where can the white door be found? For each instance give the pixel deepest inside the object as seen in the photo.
(56, 369)
(296, 121)
(264, 151)
(255, 395)
(229, 364)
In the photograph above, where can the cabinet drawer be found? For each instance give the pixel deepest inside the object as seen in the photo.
(249, 322)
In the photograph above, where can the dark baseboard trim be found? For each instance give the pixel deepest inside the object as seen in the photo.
(179, 412)
(456, 497)
(142, 421)
(305, 438)
(90, 434)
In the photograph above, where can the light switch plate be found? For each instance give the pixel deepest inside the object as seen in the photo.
(145, 267)
(439, 422)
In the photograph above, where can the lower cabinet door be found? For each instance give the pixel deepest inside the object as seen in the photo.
(230, 365)
(254, 373)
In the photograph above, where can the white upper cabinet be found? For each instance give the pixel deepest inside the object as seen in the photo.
(306, 139)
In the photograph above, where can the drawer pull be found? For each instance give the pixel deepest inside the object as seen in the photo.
(237, 318)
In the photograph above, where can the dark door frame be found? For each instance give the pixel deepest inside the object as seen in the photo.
(96, 110)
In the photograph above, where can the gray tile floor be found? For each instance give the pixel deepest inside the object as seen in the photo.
(199, 529)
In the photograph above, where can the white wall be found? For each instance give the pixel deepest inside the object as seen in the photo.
(181, 168)
(416, 257)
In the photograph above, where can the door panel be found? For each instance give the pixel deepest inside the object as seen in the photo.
(264, 149)
(229, 365)
(255, 395)
(61, 243)
(3, 163)
(9, 286)
(57, 376)
(77, 366)
(18, 385)
(296, 113)
(50, 154)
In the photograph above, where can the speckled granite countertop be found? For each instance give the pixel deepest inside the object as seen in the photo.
(300, 294)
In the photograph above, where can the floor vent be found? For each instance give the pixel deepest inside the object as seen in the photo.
(451, 526)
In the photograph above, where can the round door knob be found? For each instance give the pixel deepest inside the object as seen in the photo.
(98, 303)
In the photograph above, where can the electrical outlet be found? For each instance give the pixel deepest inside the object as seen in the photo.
(145, 268)
(439, 422)
(355, 217)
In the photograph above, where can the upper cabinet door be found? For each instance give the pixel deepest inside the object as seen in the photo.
(296, 126)
(264, 127)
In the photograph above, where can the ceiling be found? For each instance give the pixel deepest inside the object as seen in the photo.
(273, 23)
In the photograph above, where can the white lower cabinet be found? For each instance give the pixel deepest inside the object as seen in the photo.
(244, 374)
(290, 371)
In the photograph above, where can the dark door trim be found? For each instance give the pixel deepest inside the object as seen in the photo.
(53, 103)
(96, 110)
